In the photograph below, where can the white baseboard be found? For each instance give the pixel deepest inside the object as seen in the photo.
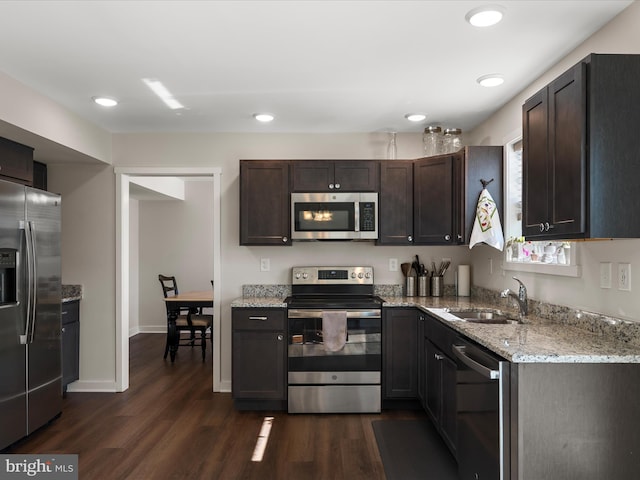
(106, 386)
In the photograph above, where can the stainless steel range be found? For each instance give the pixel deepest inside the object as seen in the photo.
(334, 349)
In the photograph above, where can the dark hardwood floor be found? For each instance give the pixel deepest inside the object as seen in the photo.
(170, 425)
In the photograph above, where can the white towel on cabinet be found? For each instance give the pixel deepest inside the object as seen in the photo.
(486, 224)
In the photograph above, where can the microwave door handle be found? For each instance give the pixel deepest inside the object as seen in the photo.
(356, 213)
(460, 352)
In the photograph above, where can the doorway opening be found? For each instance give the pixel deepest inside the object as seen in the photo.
(126, 179)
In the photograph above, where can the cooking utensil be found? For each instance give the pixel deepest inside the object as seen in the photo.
(406, 269)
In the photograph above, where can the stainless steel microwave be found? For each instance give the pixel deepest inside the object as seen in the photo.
(334, 216)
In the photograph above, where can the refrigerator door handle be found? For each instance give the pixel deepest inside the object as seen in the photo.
(31, 283)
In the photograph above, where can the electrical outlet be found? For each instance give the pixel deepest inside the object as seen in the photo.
(265, 264)
(393, 264)
(624, 276)
(605, 275)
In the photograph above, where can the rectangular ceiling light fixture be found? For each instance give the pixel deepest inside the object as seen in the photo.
(161, 91)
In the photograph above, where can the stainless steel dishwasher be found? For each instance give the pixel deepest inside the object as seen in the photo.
(483, 413)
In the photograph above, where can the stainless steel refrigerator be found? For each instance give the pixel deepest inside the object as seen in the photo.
(30, 330)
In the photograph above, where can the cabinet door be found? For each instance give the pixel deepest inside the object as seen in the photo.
(16, 162)
(396, 203)
(433, 381)
(434, 216)
(554, 158)
(356, 175)
(265, 210)
(535, 161)
(567, 152)
(258, 354)
(422, 377)
(70, 342)
(400, 337)
(313, 176)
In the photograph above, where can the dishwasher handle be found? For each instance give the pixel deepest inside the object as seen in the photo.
(460, 351)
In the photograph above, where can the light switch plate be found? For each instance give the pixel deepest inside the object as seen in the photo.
(624, 276)
(605, 275)
(265, 264)
(393, 264)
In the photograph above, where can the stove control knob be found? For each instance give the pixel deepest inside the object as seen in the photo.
(353, 274)
(367, 275)
(305, 275)
(361, 275)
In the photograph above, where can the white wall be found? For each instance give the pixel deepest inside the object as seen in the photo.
(175, 239)
(621, 35)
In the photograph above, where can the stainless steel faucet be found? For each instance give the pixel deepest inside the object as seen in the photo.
(521, 298)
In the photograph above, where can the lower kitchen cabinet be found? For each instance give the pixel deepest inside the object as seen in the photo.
(70, 342)
(440, 380)
(259, 358)
(399, 353)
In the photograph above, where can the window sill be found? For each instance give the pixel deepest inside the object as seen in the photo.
(559, 270)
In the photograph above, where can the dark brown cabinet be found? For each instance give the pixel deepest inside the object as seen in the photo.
(259, 358)
(580, 146)
(446, 192)
(265, 211)
(395, 226)
(334, 175)
(40, 175)
(70, 342)
(400, 359)
(16, 162)
(440, 380)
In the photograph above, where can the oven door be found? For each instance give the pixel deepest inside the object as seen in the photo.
(361, 352)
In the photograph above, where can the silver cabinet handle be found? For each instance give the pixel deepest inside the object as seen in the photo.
(437, 356)
(447, 237)
(285, 239)
(410, 238)
(337, 185)
(262, 319)
(542, 227)
(280, 337)
(331, 186)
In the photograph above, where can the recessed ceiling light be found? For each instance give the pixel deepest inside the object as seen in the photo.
(263, 117)
(491, 80)
(105, 101)
(485, 16)
(415, 117)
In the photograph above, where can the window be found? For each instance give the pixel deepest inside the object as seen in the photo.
(551, 257)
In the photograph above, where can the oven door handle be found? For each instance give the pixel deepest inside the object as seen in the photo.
(460, 351)
(303, 313)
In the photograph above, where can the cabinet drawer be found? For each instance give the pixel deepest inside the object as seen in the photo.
(440, 335)
(259, 319)
(70, 312)
(16, 160)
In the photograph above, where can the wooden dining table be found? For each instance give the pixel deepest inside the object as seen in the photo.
(195, 299)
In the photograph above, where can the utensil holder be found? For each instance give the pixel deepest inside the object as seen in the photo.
(410, 287)
(437, 286)
(423, 286)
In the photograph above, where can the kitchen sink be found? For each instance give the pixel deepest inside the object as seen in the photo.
(483, 317)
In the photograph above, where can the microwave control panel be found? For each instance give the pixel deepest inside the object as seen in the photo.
(367, 217)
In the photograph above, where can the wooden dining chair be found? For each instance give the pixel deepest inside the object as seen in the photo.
(188, 320)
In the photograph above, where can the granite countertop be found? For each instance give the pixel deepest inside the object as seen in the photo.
(71, 293)
(561, 335)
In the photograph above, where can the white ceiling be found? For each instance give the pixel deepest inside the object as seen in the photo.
(319, 66)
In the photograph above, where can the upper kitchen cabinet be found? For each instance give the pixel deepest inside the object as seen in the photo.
(339, 175)
(16, 162)
(446, 192)
(395, 209)
(265, 215)
(580, 148)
